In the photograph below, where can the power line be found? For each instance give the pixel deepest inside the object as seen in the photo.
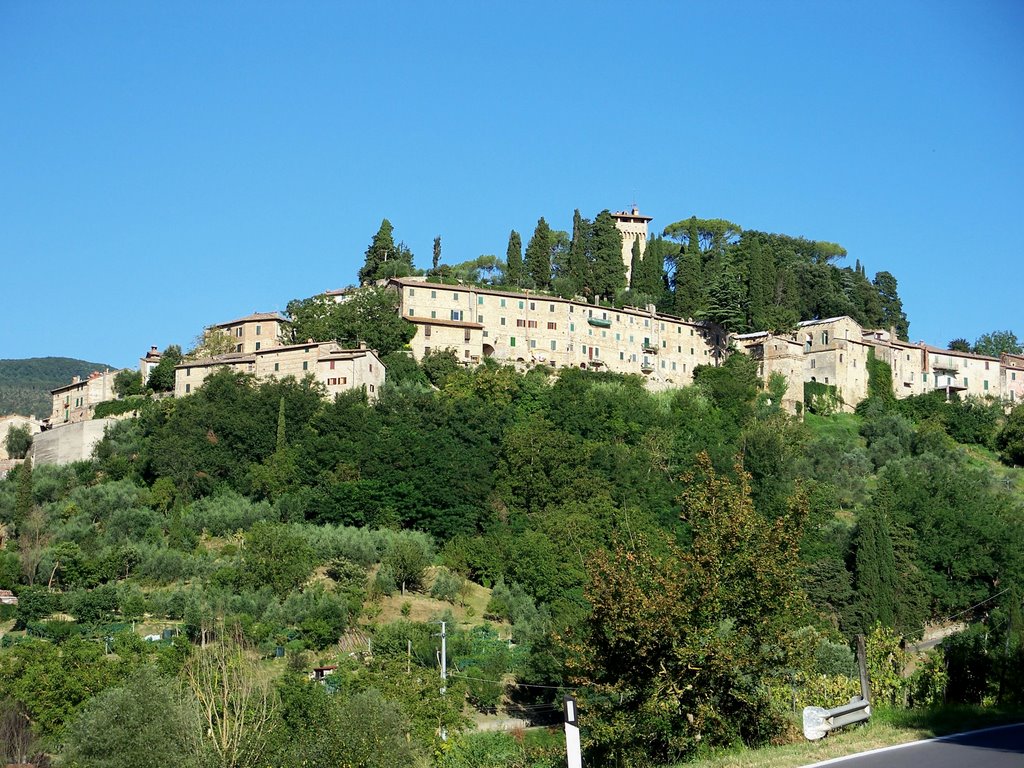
(517, 685)
(961, 613)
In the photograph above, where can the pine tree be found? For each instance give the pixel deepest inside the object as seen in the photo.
(609, 271)
(514, 259)
(381, 247)
(538, 255)
(384, 258)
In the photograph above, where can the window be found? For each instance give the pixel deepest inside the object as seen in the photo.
(332, 365)
(840, 357)
(552, 326)
(572, 327)
(238, 348)
(673, 365)
(824, 337)
(503, 302)
(479, 300)
(412, 291)
(533, 343)
(188, 388)
(520, 323)
(511, 341)
(814, 363)
(371, 367)
(551, 308)
(986, 366)
(480, 319)
(1013, 377)
(238, 332)
(521, 305)
(455, 295)
(457, 314)
(433, 314)
(188, 371)
(427, 330)
(305, 365)
(433, 294)
(531, 323)
(412, 312)
(622, 355)
(501, 321)
(826, 379)
(277, 367)
(466, 335)
(985, 383)
(465, 353)
(552, 345)
(965, 381)
(426, 350)
(258, 330)
(533, 305)
(257, 346)
(924, 377)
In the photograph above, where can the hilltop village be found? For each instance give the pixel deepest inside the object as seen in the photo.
(527, 328)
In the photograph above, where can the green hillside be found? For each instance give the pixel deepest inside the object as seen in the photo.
(25, 384)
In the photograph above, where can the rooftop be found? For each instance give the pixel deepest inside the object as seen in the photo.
(254, 318)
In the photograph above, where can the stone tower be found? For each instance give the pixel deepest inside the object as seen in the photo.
(633, 226)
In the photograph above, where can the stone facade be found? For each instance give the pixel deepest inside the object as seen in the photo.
(1011, 378)
(76, 401)
(633, 227)
(148, 363)
(777, 354)
(338, 369)
(529, 329)
(255, 332)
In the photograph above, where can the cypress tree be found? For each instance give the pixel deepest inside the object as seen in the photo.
(281, 442)
(609, 271)
(437, 252)
(875, 569)
(579, 272)
(690, 291)
(514, 259)
(636, 277)
(23, 493)
(538, 255)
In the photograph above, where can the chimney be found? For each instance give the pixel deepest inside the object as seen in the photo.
(75, 379)
(362, 345)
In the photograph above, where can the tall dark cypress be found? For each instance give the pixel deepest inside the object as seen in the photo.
(609, 270)
(579, 268)
(514, 259)
(538, 255)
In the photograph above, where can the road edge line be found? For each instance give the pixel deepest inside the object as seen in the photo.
(878, 750)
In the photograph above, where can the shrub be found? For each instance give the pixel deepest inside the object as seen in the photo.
(447, 586)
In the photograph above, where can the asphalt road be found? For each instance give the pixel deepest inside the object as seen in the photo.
(1001, 747)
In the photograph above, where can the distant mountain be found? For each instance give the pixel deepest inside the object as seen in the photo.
(25, 384)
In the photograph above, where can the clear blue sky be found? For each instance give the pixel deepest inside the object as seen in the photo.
(164, 166)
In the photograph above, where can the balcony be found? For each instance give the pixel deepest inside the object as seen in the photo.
(646, 366)
(649, 348)
(599, 322)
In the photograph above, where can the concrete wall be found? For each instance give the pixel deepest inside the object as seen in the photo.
(68, 442)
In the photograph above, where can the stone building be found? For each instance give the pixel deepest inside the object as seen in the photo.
(338, 369)
(1011, 378)
(836, 354)
(633, 227)
(77, 401)
(529, 329)
(777, 353)
(255, 332)
(148, 363)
